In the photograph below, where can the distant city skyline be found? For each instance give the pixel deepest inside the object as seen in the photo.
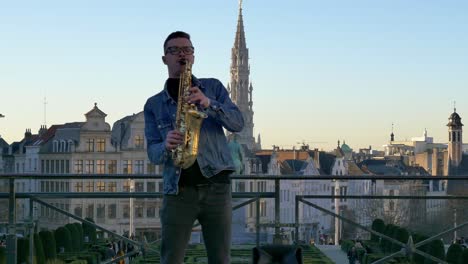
(321, 72)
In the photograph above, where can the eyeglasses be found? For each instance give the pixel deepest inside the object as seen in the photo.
(187, 50)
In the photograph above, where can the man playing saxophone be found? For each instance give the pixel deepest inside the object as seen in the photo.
(201, 191)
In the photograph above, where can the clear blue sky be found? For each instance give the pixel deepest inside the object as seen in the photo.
(321, 70)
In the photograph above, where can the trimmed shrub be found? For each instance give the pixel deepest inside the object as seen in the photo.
(386, 244)
(39, 249)
(378, 225)
(22, 254)
(401, 235)
(75, 237)
(2, 255)
(79, 227)
(418, 259)
(436, 249)
(89, 231)
(50, 248)
(63, 239)
(464, 257)
(454, 253)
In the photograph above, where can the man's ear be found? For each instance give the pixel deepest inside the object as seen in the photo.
(164, 59)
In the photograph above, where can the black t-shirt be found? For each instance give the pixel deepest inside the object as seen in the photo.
(193, 175)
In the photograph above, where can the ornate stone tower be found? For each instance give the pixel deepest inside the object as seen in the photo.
(240, 88)
(455, 143)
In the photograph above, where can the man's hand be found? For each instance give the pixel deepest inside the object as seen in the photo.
(173, 139)
(198, 97)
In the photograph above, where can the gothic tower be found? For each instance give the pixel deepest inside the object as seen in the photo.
(455, 143)
(240, 88)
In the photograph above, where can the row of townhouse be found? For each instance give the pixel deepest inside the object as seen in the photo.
(89, 147)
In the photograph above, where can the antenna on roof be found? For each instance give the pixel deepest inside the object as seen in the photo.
(45, 111)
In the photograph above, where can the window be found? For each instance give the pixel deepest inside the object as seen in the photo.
(78, 186)
(100, 166)
(240, 186)
(89, 167)
(263, 208)
(139, 187)
(112, 186)
(126, 186)
(101, 145)
(70, 146)
(150, 187)
(90, 211)
(78, 166)
(67, 166)
(90, 145)
(63, 146)
(139, 166)
(151, 211)
(55, 146)
(139, 210)
(139, 142)
(127, 166)
(112, 211)
(160, 186)
(89, 187)
(112, 166)
(125, 211)
(78, 211)
(101, 211)
(101, 186)
(150, 168)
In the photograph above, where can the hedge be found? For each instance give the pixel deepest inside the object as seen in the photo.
(3, 255)
(454, 253)
(22, 254)
(39, 249)
(79, 227)
(75, 237)
(89, 231)
(436, 249)
(63, 239)
(48, 240)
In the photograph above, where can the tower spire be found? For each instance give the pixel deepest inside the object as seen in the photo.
(240, 86)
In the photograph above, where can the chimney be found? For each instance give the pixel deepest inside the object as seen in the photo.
(27, 134)
(42, 130)
(317, 158)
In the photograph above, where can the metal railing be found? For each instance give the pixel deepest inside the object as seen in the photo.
(37, 197)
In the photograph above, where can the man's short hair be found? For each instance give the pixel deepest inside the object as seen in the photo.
(176, 34)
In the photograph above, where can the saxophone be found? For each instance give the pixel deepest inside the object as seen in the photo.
(188, 122)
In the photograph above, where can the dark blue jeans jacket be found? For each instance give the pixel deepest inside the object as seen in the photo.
(213, 152)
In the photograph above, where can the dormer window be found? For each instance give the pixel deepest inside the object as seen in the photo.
(71, 146)
(63, 146)
(55, 146)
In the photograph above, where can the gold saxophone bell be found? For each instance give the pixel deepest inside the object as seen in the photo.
(188, 122)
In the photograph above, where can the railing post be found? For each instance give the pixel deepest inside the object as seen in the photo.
(11, 238)
(31, 231)
(277, 237)
(257, 204)
(296, 210)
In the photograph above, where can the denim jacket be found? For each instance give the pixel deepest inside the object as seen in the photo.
(213, 152)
